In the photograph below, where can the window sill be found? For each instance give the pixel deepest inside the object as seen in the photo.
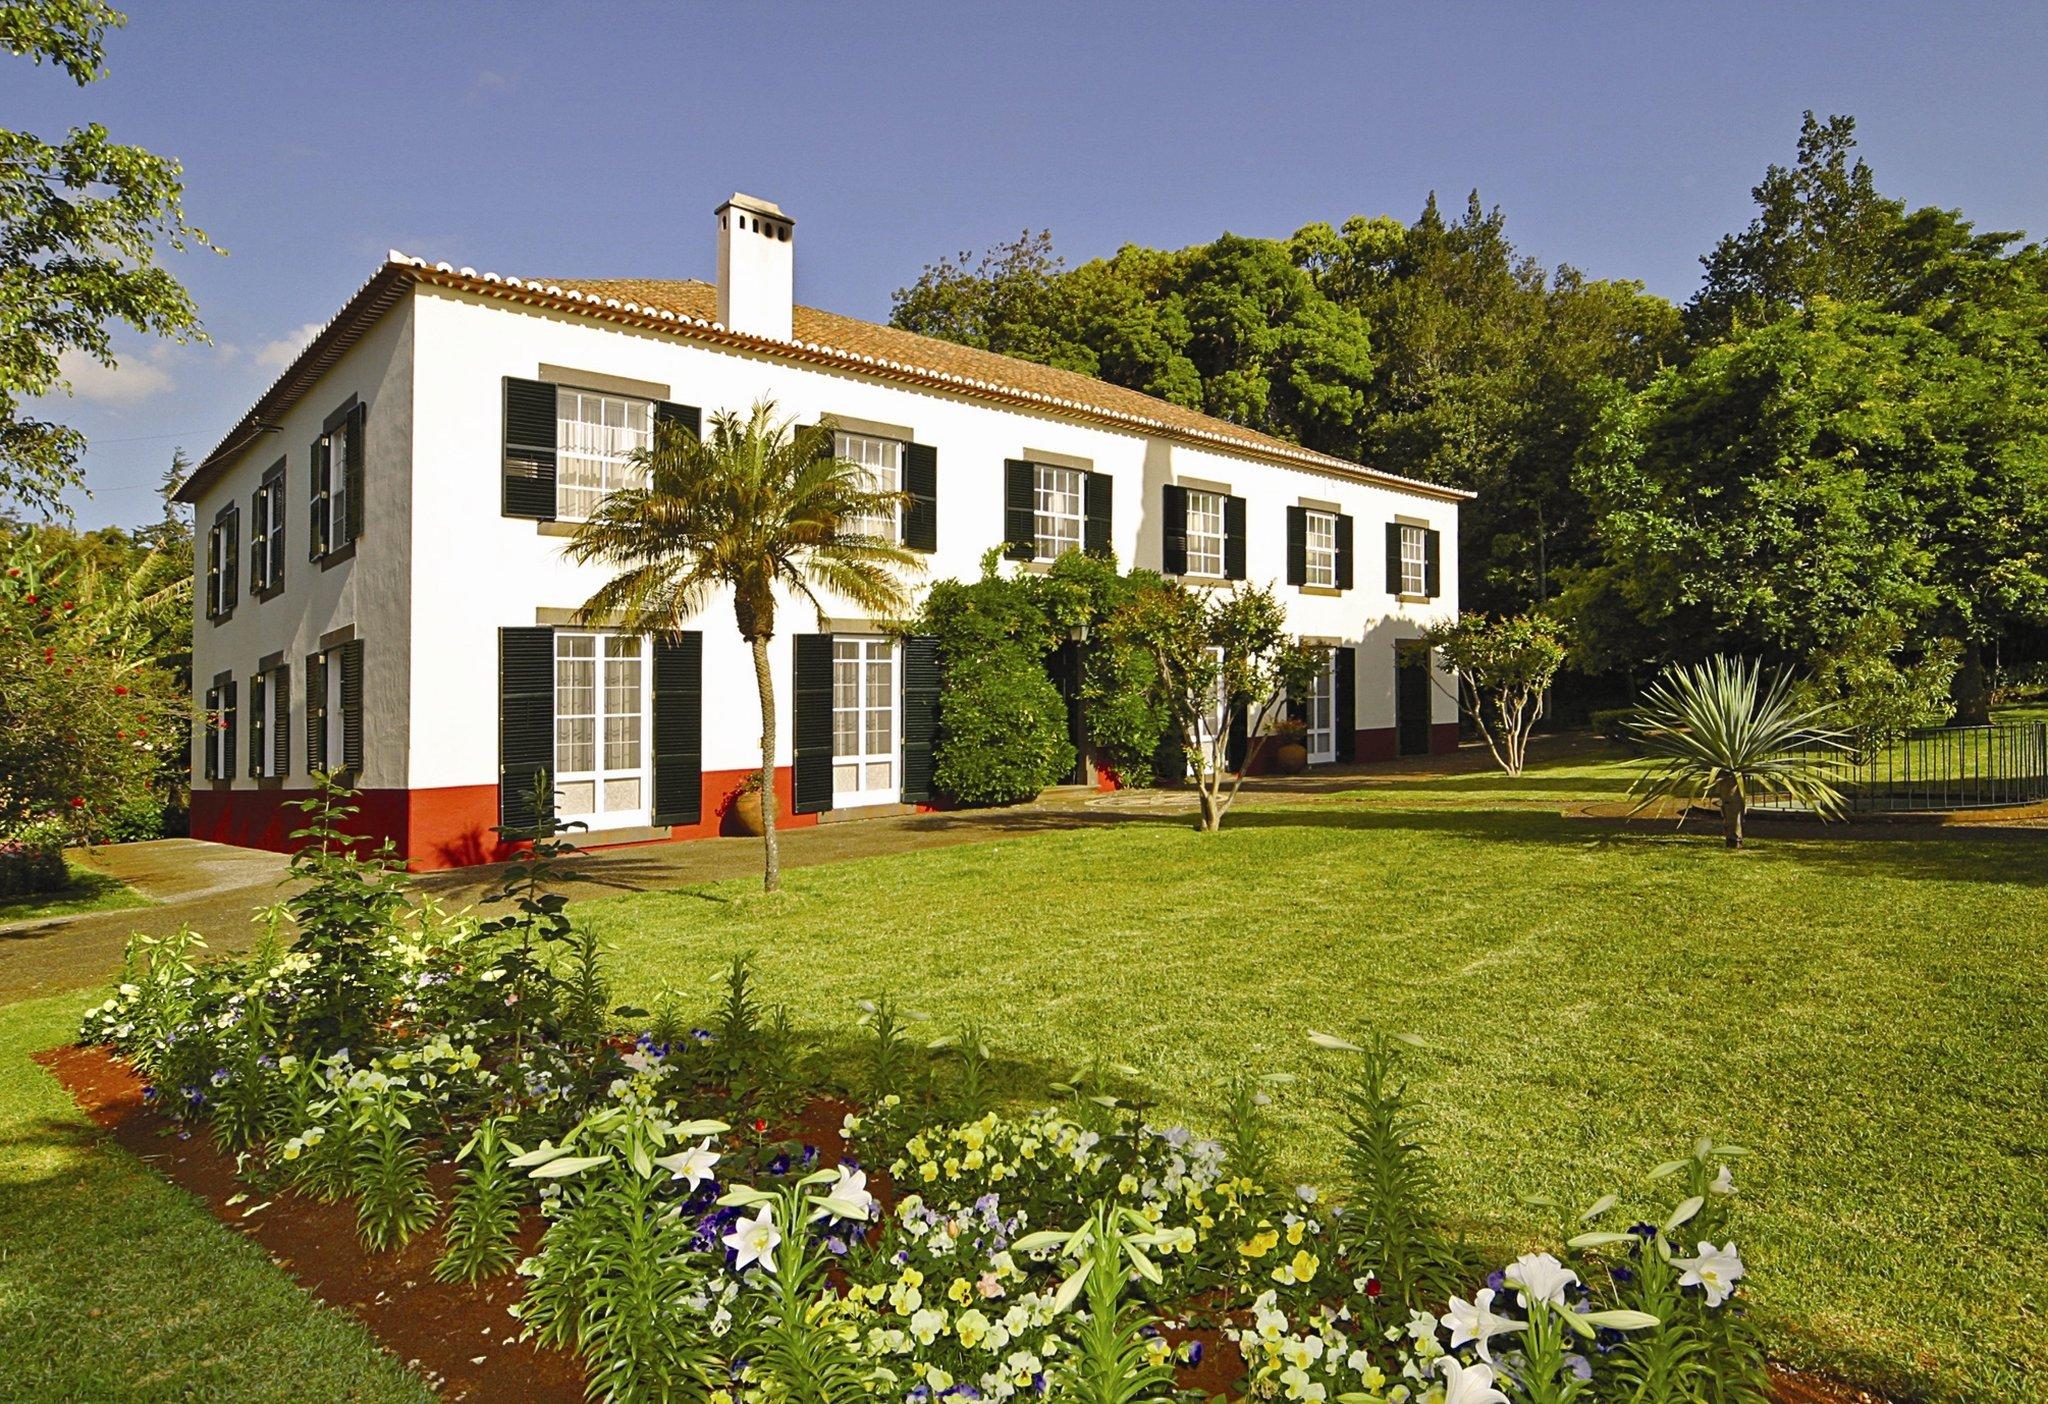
(556, 528)
(1405, 598)
(219, 619)
(1330, 590)
(267, 595)
(330, 559)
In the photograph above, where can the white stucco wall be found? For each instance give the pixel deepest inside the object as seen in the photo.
(475, 570)
(367, 591)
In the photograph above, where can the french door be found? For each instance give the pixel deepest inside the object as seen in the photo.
(601, 729)
(1322, 711)
(865, 765)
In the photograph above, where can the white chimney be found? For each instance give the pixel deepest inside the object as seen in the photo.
(756, 267)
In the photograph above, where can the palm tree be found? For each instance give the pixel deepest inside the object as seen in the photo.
(1719, 729)
(752, 506)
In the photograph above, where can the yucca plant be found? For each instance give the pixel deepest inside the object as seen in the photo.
(1722, 730)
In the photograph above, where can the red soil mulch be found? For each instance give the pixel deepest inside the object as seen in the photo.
(461, 1338)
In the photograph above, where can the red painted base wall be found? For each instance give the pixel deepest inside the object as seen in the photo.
(442, 828)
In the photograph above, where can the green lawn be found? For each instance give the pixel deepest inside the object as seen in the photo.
(116, 1285)
(89, 892)
(1866, 1013)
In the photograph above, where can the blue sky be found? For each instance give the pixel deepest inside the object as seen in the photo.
(573, 139)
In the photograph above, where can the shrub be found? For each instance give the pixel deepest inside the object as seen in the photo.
(1002, 723)
(32, 862)
(1612, 724)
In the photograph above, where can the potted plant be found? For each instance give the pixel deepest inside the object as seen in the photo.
(1289, 746)
(743, 808)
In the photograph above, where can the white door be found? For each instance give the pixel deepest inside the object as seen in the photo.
(864, 752)
(601, 721)
(1322, 713)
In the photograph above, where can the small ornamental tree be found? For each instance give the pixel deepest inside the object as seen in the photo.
(1503, 666)
(1219, 656)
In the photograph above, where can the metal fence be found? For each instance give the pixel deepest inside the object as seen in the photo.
(1949, 767)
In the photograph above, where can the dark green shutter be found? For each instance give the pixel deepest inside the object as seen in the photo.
(529, 464)
(1169, 761)
(316, 501)
(1297, 545)
(811, 727)
(679, 729)
(1238, 743)
(352, 707)
(231, 561)
(688, 418)
(211, 753)
(277, 532)
(1432, 563)
(227, 735)
(213, 570)
(921, 486)
(920, 715)
(1393, 558)
(526, 720)
(1173, 530)
(1233, 538)
(259, 709)
(281, 718)
(1020, 509)
(259, 540)
(1095, 538)
(1343, 553)
(1345, 660)
(316, 713)
(354, 470)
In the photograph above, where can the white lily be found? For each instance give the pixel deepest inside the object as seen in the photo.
(1474, 1322)
(1724, 1183)
(1539, 1277)
(1469, 1384)
(753, 1240)
(693, 1166)
(1715, 1269)
(848, 1196)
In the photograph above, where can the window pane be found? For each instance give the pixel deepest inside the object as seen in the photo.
(1061, 511)
(1205, 533)
(883, 460)
(595, 438)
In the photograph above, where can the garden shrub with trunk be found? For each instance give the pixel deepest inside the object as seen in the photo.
(934, 1247)
(1222, 660)
(1504, 667)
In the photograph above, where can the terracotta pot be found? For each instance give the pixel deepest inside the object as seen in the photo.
(1291, 758)
(743, 816)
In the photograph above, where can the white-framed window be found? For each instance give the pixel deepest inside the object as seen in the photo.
(601, 728)
(1061, 510)
(1205, 533)
(1321, 740)
(595, 439)
(266, 534)
(883, 459)
(1320, 558)
(334, 734)
(864, 722)
(334, 457)
(1414, 560)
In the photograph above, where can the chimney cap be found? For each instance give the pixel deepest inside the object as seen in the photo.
(754, 204)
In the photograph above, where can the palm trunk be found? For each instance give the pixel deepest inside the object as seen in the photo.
(764, 684)
(1729, 795)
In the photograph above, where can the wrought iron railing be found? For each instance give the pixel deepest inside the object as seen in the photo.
(1947, 767)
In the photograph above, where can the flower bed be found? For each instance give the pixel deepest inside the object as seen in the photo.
(717, 1221)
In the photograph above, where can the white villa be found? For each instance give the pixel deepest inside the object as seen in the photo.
(384, 590)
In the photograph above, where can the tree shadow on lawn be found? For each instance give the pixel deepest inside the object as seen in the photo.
(1921, 853)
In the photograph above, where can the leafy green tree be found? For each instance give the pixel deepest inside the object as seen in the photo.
(1504, 666)
(81, 222)
(1219, 657)
(754, 507)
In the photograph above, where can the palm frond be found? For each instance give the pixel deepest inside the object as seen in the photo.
(1722, 723)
